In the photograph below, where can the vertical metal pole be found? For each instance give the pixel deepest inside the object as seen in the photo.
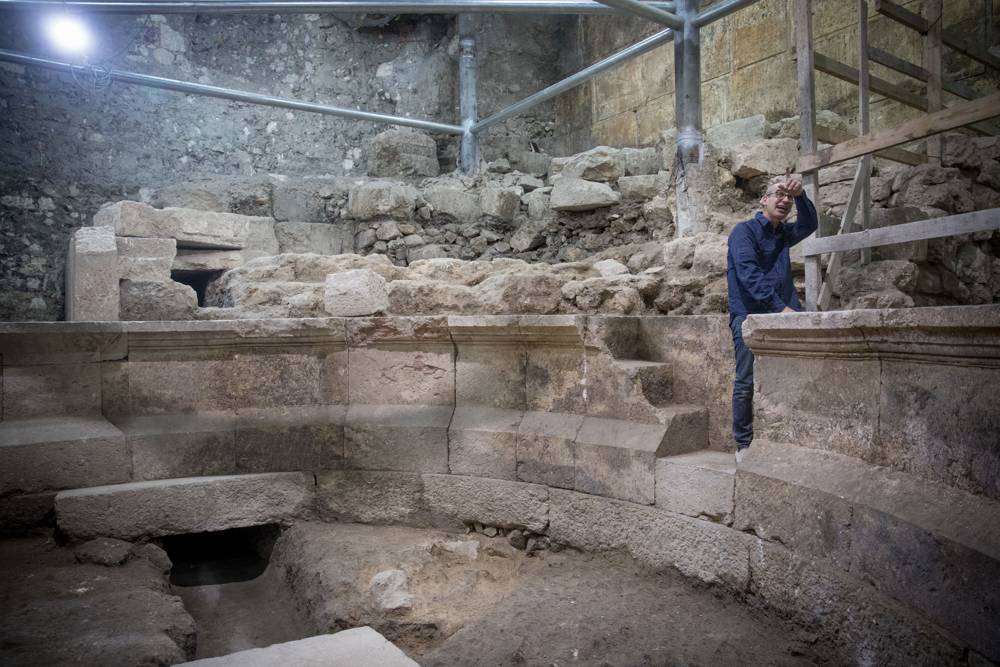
(687, 84)
(989, 24)
(932, 63)
(467, 76)
(864, 122)
(807, 131)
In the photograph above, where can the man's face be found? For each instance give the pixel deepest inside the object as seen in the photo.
(776, 204)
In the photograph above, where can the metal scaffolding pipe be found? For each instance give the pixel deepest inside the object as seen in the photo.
(645, 11)
(574, 80)
(323, 6)
(721, 10)
(467, 77)
(229, 94)
(687, 80)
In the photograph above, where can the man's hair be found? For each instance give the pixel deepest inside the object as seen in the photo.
(774, 184)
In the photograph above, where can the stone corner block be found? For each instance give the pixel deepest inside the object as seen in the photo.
(92, 276)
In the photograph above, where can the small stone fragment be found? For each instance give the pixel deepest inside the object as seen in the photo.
(390, 590)
(105, 551)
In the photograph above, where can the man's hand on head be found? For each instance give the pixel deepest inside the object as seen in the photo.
(792, 185)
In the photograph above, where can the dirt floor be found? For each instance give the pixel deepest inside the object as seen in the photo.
(447, 599)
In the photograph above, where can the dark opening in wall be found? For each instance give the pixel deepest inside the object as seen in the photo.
(237, 554)
(197, 280)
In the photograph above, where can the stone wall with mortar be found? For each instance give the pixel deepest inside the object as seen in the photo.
(748, 68)
(68, 143)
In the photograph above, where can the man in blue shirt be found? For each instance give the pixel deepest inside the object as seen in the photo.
(759, 276)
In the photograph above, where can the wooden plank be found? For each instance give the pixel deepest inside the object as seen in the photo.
(813, 276)
(806, 73)
(846, 225)
(963, 223)
(932, 63)
(959, 115)
(898, 64)
(958, 43)
(829, 135)
(847, 73)
(902, 15)
(864, 174)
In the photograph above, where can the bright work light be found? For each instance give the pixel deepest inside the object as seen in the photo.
(68, 33)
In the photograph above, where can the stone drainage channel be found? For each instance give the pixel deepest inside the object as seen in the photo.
(485, 597)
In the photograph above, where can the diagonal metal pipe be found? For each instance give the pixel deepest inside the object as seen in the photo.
(321, 6)
(230, 94)
(721, 10)
(646, 11)
(574, 80)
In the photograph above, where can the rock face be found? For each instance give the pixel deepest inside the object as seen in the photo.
(403, 153)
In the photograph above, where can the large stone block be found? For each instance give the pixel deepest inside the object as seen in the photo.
(177, 506)
(145, 259)
(545, 450)
(699, 484)
(290, 438)
(381, 199)
(488, 501)
(414, 372)
(92, 276)
(453, 204)
(359, 647)
(409, 438)
(60, 453)
(157, 301)
(320, 238)
(597, 164)
(617, 459)
(741, 131)
(483, 442)
(371, 497)
(50, 391)
(489, 361)
(576, 194)
(555, 378)
(701, 549)
(174, 386)
(191, 228)
(305, 200)
(184, 445)
(403, 153)
(500, 203)
(207, 260)
(355, 292)
(307, 374)
(759, 158)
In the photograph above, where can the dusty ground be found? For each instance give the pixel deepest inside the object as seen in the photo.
(451, 600)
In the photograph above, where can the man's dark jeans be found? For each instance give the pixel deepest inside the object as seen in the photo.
(742, 387)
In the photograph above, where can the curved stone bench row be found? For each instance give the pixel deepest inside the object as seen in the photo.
(863, 624)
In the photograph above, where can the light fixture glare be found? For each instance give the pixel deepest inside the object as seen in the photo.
(68, 33)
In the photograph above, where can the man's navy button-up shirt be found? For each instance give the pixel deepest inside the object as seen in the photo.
(758, 270)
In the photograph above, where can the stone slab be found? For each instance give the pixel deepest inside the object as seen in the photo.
(357, 647)
(290, 438)
(145, 259)
(707, 551)
(412, 373)
(616, 458)
(60, 453)
(92, 276)
(545, 452)
(207, 260)
(687, 429)
(288, 375)
(191, 228)
(699, 484)
(181, 445)
(188, 505)
(320, 238)
(363, 496)
(491, 502)
(410, 438)
(483, 442)
(491, 373)
(51, 391)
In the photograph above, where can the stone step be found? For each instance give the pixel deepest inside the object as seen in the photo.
(140, 510)
(358, 647)
(51, 453)
(699, 484)
(929, 546)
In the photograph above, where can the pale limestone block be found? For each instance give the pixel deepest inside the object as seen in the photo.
(381, 199)
(576, 194)
(453, 204)
(699, 484)
(355, 292)
(92, 276)
(315, 237)
(407, 438)
(489, 501)
(207, 260)
(189, 505)
(191, 228)
(50, 391)
(403, 153)
(545, 448)
(371, 497)
(166, 300)
(145, 259)
(482, 442)
(500, 203)
(616, 458)
(412, 374)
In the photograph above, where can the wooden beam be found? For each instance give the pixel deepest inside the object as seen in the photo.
(961, 114)
(846, 225)
(881, 86)
(864, 176)
(958, 43)
(902, 15)
(952, 225)
(829, 135)
(932, 63)
(805, 69)
(896, 63)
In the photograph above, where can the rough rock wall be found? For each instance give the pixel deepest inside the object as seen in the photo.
(69, 143)
(748, 67)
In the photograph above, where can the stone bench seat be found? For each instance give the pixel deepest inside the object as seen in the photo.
(698, 484)
(932, 547)
(52, 453)
(140, 510)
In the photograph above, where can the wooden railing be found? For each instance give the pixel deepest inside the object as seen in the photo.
(938, 118)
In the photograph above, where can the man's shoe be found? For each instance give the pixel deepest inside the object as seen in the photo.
(740, 453)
